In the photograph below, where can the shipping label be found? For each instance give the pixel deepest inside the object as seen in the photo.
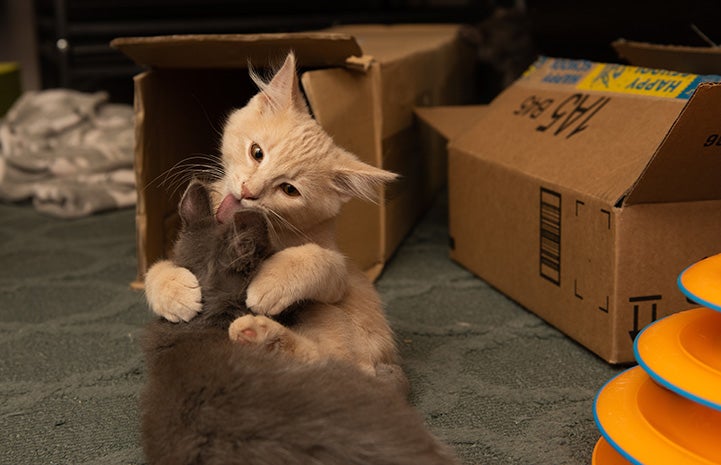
(634, 80)
(585, 75)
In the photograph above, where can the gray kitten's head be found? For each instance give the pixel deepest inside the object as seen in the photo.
(223, 257)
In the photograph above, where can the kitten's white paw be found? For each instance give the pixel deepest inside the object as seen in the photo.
(265, 296)
(252, 329)
(173, 292)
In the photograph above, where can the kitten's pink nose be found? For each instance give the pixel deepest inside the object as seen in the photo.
(227, 207)
(246, 194)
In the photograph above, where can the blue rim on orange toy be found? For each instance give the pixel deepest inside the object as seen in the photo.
(605, 454)
(682, 352)
(648, 424)
(701, 282)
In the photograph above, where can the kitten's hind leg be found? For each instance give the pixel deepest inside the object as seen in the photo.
(261, 330)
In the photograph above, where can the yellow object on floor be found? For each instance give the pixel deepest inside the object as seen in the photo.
(682, 352)
(604, 454)
(650, 424)
(701, 282)
(667, 410)
(10, 88)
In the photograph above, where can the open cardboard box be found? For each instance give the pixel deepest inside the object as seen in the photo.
(687, 59)
(361, 82)
(584, 189)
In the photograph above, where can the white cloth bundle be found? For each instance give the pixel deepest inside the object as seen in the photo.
(70, 152)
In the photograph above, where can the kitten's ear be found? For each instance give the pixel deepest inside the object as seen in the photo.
(253, 222)
(195, 204)
(283, 90)
(249, 219)
(353, 178)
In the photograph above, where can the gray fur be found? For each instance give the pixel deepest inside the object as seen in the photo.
(211, 401)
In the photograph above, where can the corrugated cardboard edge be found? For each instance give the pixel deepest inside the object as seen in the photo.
(141, 226)
(361, 63)
(374, 272)
(451, 120)
(671, 176)
(378, 122)
(312, 49)
(697, 60)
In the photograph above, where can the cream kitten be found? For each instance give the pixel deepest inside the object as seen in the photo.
(277, 158)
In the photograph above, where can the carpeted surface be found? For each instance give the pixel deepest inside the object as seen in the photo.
(491, 378)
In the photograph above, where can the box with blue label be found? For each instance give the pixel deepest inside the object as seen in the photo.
(584, 189)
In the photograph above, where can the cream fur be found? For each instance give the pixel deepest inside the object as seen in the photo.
(344, 318)
(172, 292)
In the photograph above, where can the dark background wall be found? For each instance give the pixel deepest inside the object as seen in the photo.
(585, 28)
(67, 40)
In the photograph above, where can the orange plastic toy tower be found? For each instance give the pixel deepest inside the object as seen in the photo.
(667, 410)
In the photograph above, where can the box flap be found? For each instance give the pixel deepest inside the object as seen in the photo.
(564, 126)
(697, 60)
(313, 49)
(452, 120)
(388, 43)
(591, 127)
(687, 164)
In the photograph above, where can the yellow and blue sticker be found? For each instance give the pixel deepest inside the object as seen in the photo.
(587, 75)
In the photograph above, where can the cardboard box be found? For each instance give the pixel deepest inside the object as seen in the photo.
(583, 191)
(361, 82)
(687, 59)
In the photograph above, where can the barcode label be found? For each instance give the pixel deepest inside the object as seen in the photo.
(550, 236)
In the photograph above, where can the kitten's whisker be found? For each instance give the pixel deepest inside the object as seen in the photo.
(240, 258)
(217, 131)
(182, 170)
(272, 231)
(289, 225)
(176, 180)
(191, 167)
(275, 237)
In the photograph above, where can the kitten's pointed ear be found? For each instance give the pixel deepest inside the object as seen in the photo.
(195, 204)
(253, 222)
(250, 219)
(354, 178)
(283, 90)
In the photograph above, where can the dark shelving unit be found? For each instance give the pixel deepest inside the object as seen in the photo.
(74, 35)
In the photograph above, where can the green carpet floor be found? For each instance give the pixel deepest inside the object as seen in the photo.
(492, 379)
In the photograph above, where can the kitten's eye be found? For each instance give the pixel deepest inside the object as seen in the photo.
(256, 152)
(289, 190)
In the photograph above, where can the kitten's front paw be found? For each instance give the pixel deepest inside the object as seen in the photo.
(266, 297)
(173, 292)
(255, 329)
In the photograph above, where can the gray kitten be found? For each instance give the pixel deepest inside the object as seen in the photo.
(209, 400)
